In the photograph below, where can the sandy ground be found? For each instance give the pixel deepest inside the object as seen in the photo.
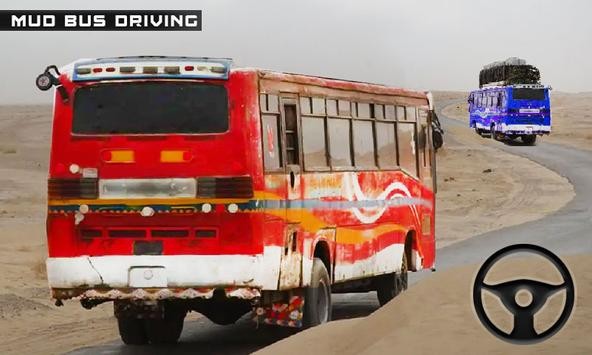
(571, 117)
(508, 189)
(399, 326)
(30, 323)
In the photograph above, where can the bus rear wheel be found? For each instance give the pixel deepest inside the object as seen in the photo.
(166, 330)
(317, 302)
(494, 135)
(529, 139)
(391, 285)
(132, 331)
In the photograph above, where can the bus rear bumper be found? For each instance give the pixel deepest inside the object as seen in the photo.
(163, 276)
(522, 129)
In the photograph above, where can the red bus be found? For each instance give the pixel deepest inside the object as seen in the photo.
(182, 184)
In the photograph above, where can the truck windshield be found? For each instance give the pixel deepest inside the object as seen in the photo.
(528, 94)
(150, 108)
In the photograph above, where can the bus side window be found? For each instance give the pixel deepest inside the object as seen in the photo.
(291, 126)
(272, 158)
(339, 131)
(425, 146)
(363, 110)
(343, 108)
(400, 113)
(378, 111)
(422, 140)
(314, 142)
(410, 113)
(363, 139)
(270, 132)
(386, 144)
(331, 107)
(340, 142)
(407, 147)
(305, 105)
(314, 136)
(390, 112)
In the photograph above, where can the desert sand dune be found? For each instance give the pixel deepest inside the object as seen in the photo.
(436, 317)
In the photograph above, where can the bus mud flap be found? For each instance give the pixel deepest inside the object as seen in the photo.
(286, 313)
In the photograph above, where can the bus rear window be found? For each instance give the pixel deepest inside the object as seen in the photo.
(528, 94)
(150, 108)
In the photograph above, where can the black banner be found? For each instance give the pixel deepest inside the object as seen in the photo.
(100, 20)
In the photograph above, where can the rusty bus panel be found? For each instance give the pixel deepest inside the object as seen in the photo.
(291, 262)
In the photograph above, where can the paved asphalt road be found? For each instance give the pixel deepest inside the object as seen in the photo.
(567, 231)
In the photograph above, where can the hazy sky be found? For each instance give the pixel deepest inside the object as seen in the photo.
(427, 44)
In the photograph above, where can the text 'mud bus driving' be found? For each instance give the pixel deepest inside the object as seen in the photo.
(182, 184)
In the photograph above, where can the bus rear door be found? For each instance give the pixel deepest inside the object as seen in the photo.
(426, 161)
(291, 263)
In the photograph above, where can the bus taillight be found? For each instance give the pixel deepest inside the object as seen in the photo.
(118, 156)
(63, 189)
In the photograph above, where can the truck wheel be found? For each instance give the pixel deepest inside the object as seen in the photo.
(390, 285)
(166, 330)
(529, 139)
(132, 331)
(317, 301)
(494, 135)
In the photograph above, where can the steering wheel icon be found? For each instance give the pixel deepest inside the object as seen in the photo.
(523, 331)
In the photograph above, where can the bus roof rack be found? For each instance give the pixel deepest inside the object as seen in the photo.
(510, 71)
(136, 67)
(515, 86)
(131, 58)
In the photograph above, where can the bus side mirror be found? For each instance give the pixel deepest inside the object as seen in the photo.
(437, 140)
(46, 80)
(437, 131)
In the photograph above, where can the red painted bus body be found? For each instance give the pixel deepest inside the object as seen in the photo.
(244, 213)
